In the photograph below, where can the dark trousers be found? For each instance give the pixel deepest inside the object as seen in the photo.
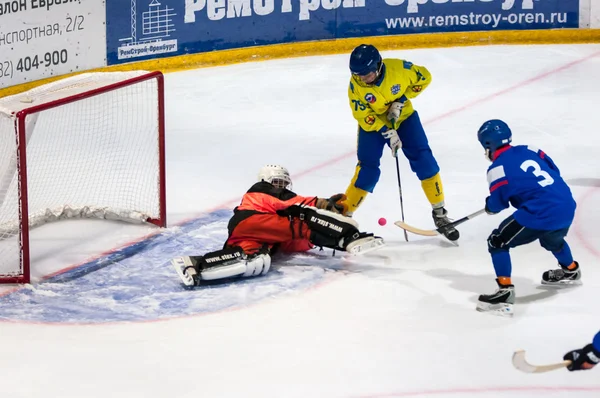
(511, 234)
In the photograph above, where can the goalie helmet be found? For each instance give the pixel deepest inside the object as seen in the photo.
(277, 175)
(492, 135)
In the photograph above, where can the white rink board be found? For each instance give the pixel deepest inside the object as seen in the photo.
(60, 37)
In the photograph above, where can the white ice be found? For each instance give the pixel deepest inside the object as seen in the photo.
(398, 323)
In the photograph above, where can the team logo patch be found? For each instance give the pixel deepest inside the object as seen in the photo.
(370, 98)
(370, 119)
(417, 89)
(395, 89)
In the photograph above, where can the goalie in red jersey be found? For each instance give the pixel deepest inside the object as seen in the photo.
(273, 218)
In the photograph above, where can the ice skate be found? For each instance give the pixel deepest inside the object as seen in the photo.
(499, 303)
(562, 277)
(185, 268)
(440, 218)
(364, 243)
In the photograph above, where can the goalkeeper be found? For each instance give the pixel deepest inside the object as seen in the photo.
(272, 218)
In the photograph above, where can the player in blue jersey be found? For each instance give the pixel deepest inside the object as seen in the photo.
(526, 178)
(586, 357)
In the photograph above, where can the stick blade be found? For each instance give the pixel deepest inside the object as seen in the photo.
(520, 362)
(415, 230)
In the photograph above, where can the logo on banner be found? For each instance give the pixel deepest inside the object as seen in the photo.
(154, 36)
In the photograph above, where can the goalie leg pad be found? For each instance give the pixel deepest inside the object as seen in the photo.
(328, 223)
(224, 271)
(258, 265)
(219, 257)
(221, 264)
(338, 232)
(329, 229)
(364, 244)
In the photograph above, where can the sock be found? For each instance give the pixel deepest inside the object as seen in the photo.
(502, 264)
(505, 280)
(564, 256)
(434, 190)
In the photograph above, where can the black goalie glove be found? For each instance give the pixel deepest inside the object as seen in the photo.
(583, 359)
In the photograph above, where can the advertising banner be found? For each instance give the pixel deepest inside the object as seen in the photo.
(44, 38)
(145, 29)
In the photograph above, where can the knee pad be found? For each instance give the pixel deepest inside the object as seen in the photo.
(495, 242)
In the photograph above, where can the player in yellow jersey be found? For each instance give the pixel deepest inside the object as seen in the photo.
(380, 94)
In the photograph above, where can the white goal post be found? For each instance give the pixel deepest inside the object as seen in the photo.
(91, 145)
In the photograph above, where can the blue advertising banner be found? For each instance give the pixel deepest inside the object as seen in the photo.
(144, 29)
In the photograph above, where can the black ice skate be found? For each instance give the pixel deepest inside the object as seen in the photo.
(562, 277)
(361, 243)
(440, 218)
(499, 303)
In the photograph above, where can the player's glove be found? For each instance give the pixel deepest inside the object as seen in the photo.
(487, 209)
(395, 109)
(395, 142)
(583, 359)
(334, 203)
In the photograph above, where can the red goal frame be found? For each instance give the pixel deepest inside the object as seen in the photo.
(20, 129)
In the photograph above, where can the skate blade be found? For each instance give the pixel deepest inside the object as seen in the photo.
(562, 283)
(500, 309)
(180, 263)
(365, 245)
(452, 240)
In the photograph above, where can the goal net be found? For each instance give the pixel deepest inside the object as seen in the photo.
(91, 145)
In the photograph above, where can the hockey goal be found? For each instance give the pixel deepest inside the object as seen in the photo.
(90, 145)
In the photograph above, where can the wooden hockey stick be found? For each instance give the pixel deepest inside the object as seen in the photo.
(521, 363)
(439, 231)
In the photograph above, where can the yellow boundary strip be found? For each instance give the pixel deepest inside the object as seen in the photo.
(327, 47)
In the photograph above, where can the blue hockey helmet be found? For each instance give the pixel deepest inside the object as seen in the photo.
(492, 135)
(364, 60)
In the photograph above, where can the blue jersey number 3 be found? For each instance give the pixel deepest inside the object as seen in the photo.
(538, 172)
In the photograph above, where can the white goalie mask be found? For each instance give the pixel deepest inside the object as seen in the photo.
(277, 175)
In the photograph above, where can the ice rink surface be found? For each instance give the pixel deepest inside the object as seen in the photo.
(400, 322)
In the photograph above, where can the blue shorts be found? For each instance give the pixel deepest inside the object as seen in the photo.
(414, 146)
